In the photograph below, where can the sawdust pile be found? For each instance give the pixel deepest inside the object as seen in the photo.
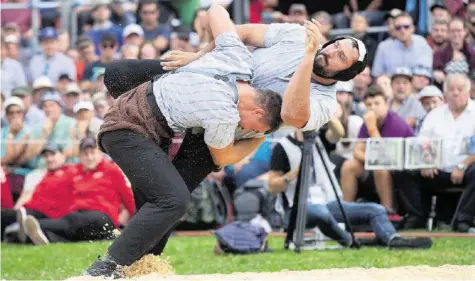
(149, 264)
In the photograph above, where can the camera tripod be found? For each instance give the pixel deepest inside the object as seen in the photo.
(296, 228)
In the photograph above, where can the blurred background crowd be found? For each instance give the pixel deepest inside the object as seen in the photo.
(53, 99)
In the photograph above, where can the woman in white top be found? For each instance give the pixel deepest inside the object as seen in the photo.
(346, 126)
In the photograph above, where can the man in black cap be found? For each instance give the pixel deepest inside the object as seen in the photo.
(108, 47)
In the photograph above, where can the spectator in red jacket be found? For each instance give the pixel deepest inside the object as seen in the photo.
(51, 197)
(6, 200)
(99, 189)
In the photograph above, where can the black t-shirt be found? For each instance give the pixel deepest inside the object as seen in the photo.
(279, 160)
(92, 68)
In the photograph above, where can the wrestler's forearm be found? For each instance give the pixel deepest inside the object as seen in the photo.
(235, 153)
(296, 99)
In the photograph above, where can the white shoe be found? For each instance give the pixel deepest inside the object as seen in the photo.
(21, 219)
(33, 230)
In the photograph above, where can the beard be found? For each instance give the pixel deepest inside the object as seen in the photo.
(318, 67)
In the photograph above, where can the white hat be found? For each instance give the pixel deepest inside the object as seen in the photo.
(12, 38)
(83, 105)
(13, 101)
(344, 86)
(73, 88)
(131, 29)
(42, 82)
(430, 91)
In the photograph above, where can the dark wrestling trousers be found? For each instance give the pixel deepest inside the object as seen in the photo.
(193, 161)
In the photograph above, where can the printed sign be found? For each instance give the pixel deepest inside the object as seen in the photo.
(384, 154)
(422, 153)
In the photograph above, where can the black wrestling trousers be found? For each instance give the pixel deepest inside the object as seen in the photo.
(160, 191)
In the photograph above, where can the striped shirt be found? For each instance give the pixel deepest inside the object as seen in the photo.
(192, 97)
(275, 64)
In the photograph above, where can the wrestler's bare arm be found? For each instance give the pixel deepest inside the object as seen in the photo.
(235, 152)
(250, 35)
(296, 99)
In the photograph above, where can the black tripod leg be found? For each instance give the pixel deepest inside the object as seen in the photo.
(325, 160)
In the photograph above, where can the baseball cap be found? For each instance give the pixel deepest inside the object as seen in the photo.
(51, 147)
(11, 39)
(73, 88)
(393, 13)
(437, 6)
(430, 91)
(132, 29)
(13, 101)
(421, 70)
(402, 71)
(98, 96)
(297, 8)
(65, 76)
(108, 38)
(21, 91)
(42, 82)
(51, 96)
(48, 33)
(82, 41)
(80, 105)
(87, 142)
(344, 86)
(11, 26)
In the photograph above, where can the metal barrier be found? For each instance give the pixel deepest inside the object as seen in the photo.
(35, 6)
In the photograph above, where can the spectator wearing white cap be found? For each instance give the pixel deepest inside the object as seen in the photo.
(12, 72)
(51, 62)
(101, 105)
(41, 85)
(87, 125)
(133, 34)
(13, 144)
(404, 102)
(70, 98)
(421, 77)
(33, 115)
(346, 97)
(431, 97)
(55, 127)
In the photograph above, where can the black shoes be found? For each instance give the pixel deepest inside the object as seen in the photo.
(410, 243)
(105, 267)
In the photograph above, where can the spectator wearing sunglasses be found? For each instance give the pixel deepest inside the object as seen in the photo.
(407, 50)
(108, 47)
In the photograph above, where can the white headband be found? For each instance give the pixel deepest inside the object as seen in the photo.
(361, 49)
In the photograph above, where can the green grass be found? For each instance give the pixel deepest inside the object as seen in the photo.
(195, 256)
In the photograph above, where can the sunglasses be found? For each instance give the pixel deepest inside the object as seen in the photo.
(105, 46)
(149, 12)
(400, 27)
(14, 112)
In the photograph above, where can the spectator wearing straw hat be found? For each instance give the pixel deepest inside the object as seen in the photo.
(51, 62)
(70, 98)
(33, 115)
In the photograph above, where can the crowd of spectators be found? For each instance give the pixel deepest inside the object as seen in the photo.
(419, 82)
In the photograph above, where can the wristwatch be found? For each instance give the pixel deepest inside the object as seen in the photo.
(462, 167)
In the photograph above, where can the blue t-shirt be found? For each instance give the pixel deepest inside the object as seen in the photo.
(25, 168)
